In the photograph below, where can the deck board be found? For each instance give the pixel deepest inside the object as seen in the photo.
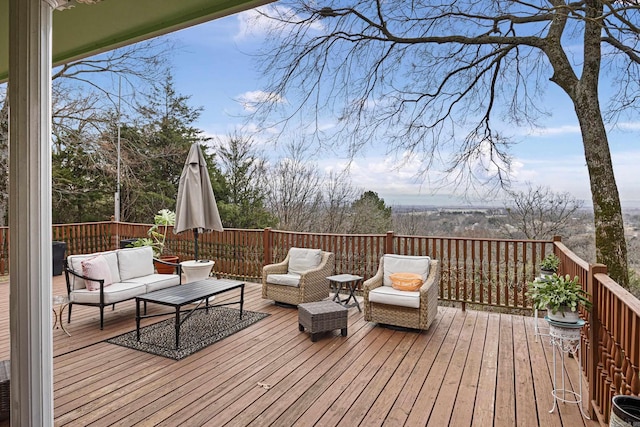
(422, 365)
(462, 413)
(469, 368)
(505, 413)
(446, 397)
(425, 400)
(484, 409)
(526, 415)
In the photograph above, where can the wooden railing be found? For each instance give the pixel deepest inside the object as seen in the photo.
(484, 272)
(474, 271)
(611, 339)
(490, 272)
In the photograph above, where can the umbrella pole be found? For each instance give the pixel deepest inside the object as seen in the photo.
(195, 233)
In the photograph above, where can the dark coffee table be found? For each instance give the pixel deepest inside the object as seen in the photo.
(181, 295)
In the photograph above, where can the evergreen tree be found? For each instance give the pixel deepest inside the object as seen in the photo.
(370, 215)
(158, 146)
(244, 172)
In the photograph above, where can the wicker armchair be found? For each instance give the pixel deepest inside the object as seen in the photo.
(404, 315)
(282, 285)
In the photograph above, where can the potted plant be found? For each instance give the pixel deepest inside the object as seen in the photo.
(157, 238)
(549, 265)
(560, 295)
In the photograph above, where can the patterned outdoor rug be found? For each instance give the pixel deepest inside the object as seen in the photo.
(196, 333)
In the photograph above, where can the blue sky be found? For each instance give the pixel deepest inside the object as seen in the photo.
(214, 68)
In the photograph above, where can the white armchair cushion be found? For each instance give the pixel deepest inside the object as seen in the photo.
(135, 262)
(302, 260)
(290, 279)
(388, 295)
(405, 264)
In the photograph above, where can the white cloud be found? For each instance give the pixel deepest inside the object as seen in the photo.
(383, 175)
(555, 131)
(255, 23)
(628, 126)
(250, 99)
(252, 23)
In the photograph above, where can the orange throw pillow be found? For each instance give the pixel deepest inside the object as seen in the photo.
(406, 281)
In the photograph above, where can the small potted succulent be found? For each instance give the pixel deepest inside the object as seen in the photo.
(549, 265)
(560, 295)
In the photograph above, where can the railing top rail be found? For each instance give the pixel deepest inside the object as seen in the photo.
(325, 234)
(480, 239)
(572, 256)
(621, 293)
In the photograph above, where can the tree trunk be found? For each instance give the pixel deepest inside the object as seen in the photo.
(611, 247)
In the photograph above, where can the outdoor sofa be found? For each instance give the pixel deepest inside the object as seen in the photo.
(106, 278)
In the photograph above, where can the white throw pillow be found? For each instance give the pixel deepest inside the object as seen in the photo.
(302, 260)
(405, 264)
(135, 262)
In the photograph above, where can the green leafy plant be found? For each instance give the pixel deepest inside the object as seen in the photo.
(158, 232)
(550, 263)
(558, 294)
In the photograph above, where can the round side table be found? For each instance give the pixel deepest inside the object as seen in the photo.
(196, 270)
(60, 302)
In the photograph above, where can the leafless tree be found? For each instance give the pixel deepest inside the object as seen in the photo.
(338, 196)
(414, 222)
(293, 190)
(539, 213)
(430, 78)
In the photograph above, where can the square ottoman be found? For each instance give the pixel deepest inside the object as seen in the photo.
(322, 316)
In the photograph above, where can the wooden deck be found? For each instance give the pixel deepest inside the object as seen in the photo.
(469, 368)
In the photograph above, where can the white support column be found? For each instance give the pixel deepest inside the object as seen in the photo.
(30, 212)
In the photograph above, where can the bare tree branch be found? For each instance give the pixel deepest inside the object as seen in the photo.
(432, 80)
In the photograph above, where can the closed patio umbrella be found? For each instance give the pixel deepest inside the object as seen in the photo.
(196, 207)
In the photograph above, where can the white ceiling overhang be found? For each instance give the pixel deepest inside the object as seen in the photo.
(88, 29)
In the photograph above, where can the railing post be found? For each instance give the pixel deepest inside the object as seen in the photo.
(388, 243)
(266, 243)
(594, 335)
(556, 239)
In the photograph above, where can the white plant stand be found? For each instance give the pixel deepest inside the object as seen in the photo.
(565, 338)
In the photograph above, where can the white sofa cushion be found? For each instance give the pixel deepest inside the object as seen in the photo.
(302, 260)
(154, 282)
(290, 279)
(115, 293)
(75, 263)
(135, 262)
(405, 264)
(388, 295)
